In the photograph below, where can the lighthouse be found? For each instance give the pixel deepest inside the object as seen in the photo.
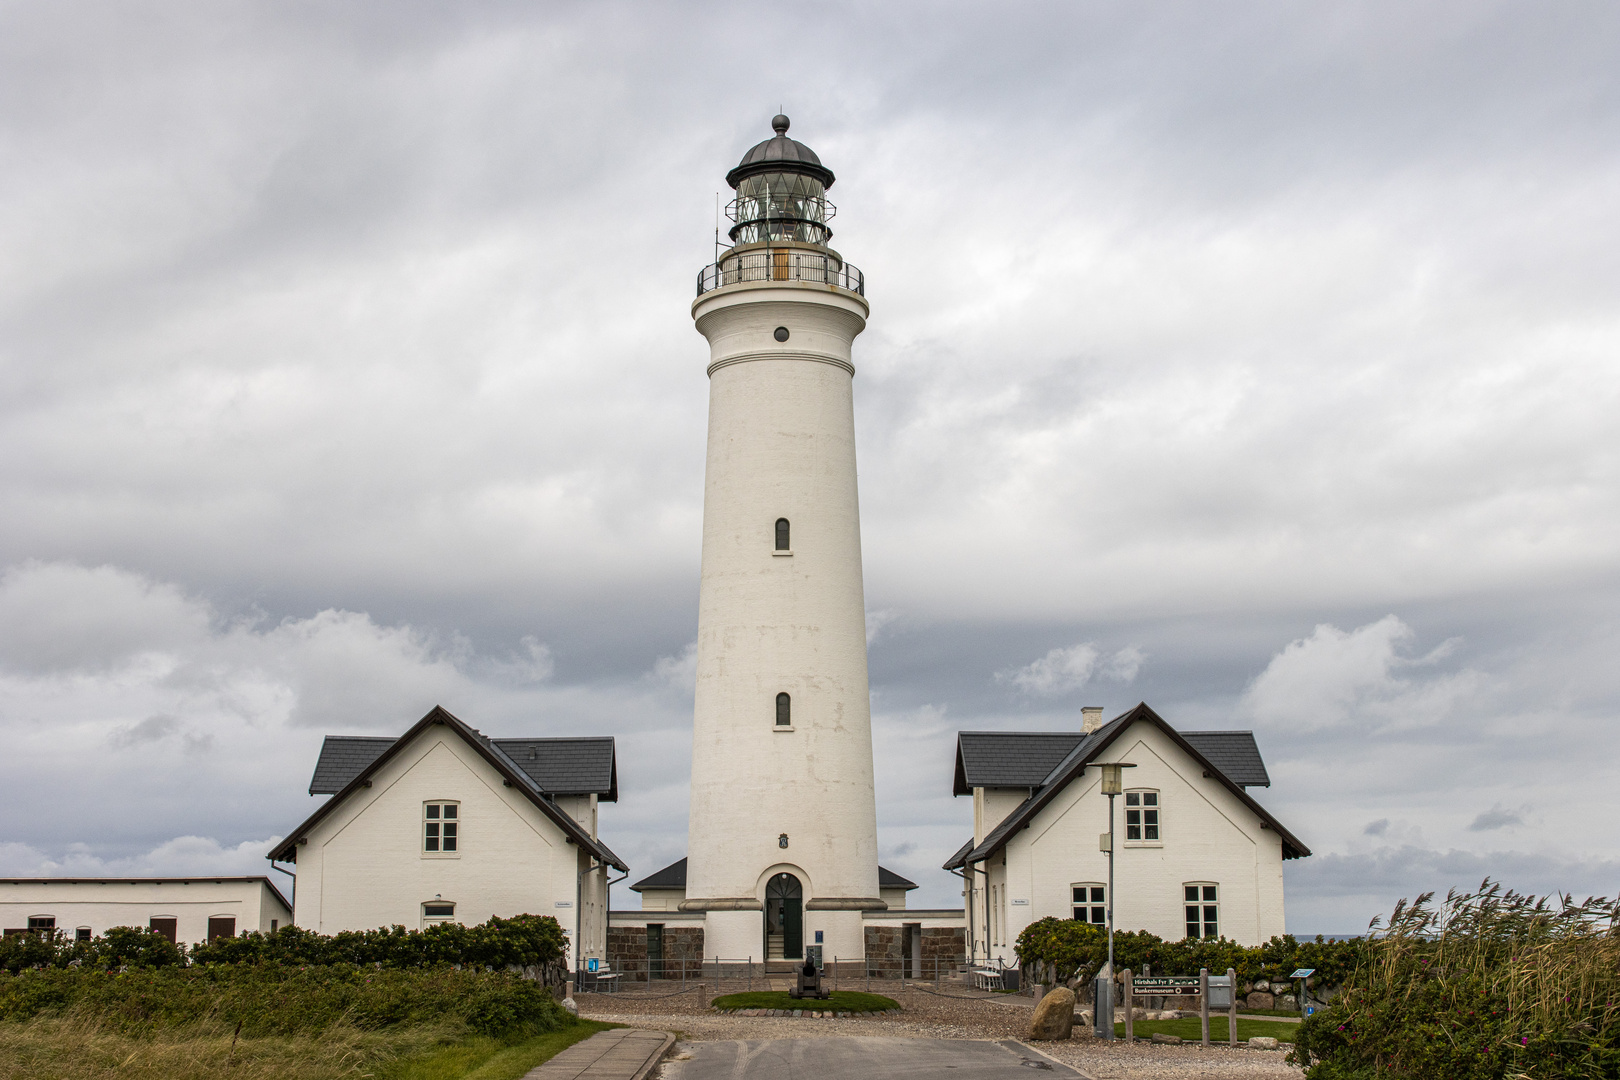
(782, 846)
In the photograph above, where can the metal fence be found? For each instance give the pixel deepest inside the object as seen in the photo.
(785, 264)
(722, 976)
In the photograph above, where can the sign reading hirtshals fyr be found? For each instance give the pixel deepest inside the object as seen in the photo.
(1165, 985)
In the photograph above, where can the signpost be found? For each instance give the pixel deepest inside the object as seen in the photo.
(1302, 974)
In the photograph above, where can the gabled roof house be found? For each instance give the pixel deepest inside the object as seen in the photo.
(1195, 853)
(444, 823)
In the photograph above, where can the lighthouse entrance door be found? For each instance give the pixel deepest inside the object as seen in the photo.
(784, 918)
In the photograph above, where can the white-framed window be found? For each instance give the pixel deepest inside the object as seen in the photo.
(1090, 902)
(1202, 901)
(1142, 824)
(438, 911)
(441, 828)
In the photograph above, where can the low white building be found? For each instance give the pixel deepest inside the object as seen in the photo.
(1195, 854)
(445, 824)
(185, 910)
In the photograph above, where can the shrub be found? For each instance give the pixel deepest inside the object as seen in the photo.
(122, 946)
(1491, 985)
(1075, 949)
(275, 999)
(524, 941)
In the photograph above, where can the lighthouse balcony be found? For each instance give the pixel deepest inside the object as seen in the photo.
(770, 263)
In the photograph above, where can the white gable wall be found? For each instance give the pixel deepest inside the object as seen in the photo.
(1208, 835)
(362, 866)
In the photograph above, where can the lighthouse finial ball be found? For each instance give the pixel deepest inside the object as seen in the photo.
(779, 124)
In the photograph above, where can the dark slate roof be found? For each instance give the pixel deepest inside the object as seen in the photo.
(957, 861)
(672, 876)
(583, 766)
(1234, 753)
(1088, 750)
(888, 879)
(510, 771)
(344, 757)
(780, 154)
(558, 766)
(1009, 758)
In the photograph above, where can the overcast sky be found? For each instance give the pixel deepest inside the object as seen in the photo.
(1258, 361)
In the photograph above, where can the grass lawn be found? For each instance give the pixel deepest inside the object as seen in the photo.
(482, 1058)
(1191, 1031)
(73, 1048)
(841, 1001)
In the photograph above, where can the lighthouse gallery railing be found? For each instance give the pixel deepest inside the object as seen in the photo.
(784, 264)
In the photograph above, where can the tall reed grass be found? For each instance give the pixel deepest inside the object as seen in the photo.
(1488, 985)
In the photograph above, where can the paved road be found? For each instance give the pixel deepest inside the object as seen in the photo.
(861, 1059)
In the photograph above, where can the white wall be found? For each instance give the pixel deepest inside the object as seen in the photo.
(363, 865)
(103, 904)
(1208, 835)
(781, 443)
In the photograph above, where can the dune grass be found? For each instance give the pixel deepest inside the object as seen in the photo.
(74, 1048)
(841, 1001)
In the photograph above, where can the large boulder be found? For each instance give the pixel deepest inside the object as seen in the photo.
(1260, 1000)
(1054, 1016)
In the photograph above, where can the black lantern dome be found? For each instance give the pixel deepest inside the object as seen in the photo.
(780, 154)
(781, 192)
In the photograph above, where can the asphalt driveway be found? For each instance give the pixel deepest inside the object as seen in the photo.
(869, 1058)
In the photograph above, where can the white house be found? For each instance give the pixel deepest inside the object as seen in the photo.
(1195, 854)
(445, 824)
(184, 910)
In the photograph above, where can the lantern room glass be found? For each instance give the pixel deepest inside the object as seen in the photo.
(778, 207)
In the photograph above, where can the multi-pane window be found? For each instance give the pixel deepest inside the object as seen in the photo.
(439, 828)
(1142, 815)
(1203, 910)
(784, 710)
(81, 934)
(782, 535)
(42, 922)
(1091, 903)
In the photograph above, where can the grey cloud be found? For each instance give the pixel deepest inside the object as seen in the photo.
(152, 729)
(349, 371)
(1497, 817)
(1376, 828)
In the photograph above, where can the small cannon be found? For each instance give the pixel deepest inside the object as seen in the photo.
(809, 982)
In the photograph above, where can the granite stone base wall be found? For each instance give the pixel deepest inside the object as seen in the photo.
(886, 949)
(627, 951)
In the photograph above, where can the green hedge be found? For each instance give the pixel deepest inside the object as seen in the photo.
(1490, 985)
(525, 941)
(1075, 949)
(275, 999)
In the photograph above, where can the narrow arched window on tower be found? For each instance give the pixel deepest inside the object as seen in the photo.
(784, 710)
(782, 535)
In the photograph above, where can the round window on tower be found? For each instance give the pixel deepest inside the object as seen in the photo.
(781, 333)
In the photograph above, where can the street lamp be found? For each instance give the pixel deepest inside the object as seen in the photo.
(1112, 784)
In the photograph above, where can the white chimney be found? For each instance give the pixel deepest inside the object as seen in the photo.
(1090, 718)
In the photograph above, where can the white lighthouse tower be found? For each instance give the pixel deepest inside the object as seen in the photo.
(783, 832)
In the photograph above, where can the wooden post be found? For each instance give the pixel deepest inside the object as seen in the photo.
(1203, 1002)
(1130, 1027)
(1231, 1012)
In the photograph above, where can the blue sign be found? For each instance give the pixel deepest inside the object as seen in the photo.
(1310, 1010)
(591, 965)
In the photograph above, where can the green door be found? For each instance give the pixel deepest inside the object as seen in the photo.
(784, 914)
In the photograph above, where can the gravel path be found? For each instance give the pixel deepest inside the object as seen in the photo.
(947, 1016)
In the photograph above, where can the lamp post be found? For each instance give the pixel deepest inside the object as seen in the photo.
(1112, 784)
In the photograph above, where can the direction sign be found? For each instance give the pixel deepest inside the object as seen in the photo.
(1302, 973)
(1164, 985)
